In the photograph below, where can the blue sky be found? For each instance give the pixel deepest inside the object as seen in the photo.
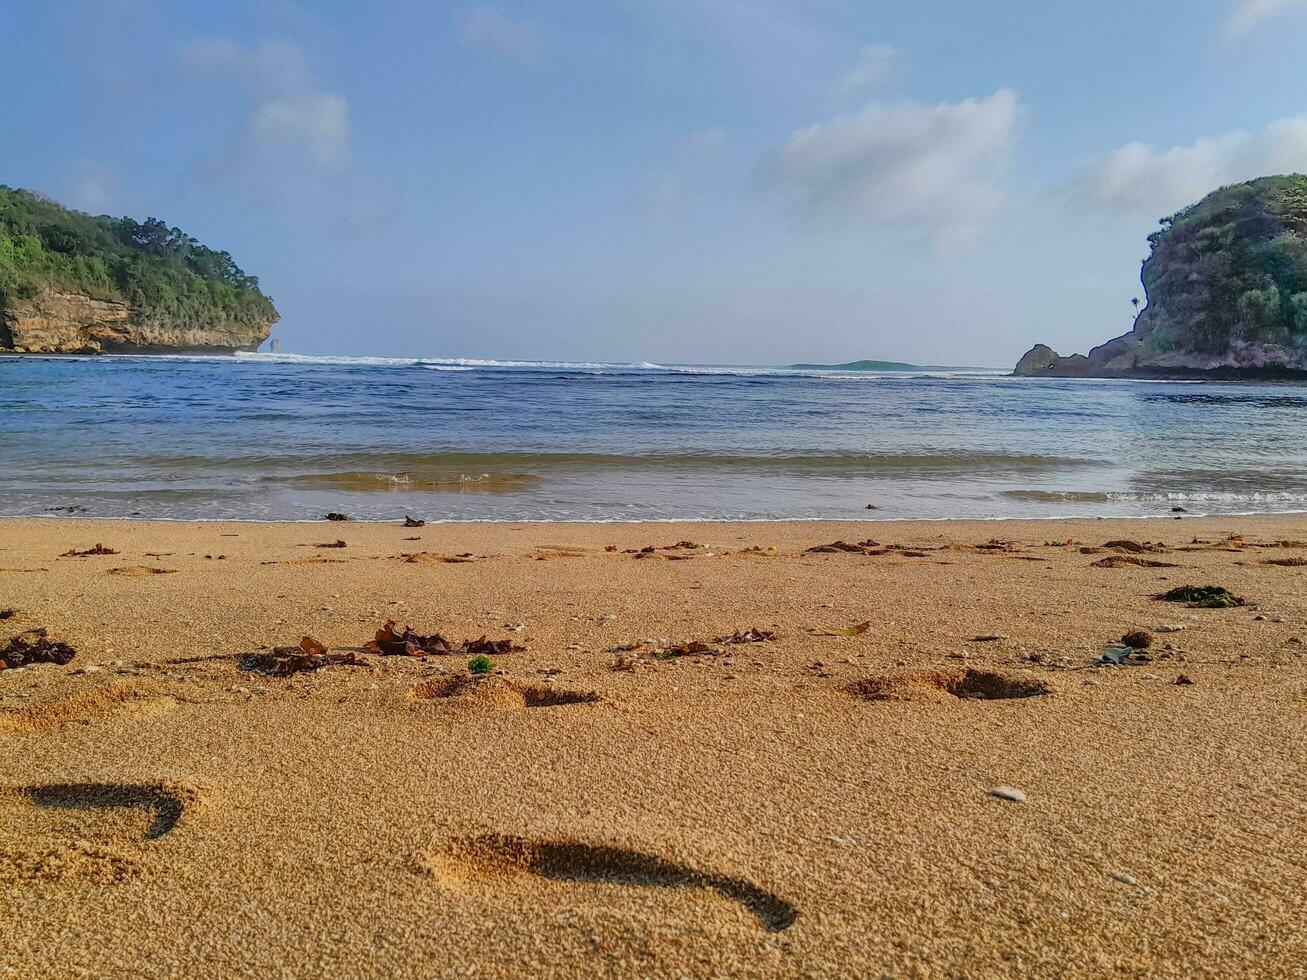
(753, 181)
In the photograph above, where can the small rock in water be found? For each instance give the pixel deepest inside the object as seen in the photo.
(1124, 878)
(1009, 793)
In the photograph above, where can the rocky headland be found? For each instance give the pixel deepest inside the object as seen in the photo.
(71, 283)
(1226, 287)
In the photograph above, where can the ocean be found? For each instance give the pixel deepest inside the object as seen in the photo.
(286, 437)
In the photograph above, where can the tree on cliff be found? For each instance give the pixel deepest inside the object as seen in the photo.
(161, 273)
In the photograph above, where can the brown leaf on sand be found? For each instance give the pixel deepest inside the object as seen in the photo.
(695, 648)
(751, 635)
(431, 558)
(837, 546)
(309, 655)
(1285, 562)
(141, 571)
(856, 630)
(394, 642)
(484, 645)
(35, 647)
(99, 549)
(1126, 561)
(331, 544)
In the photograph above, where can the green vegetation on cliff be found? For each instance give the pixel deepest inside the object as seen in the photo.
(1230, 270)
(163, 275)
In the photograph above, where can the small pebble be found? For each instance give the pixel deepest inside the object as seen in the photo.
(1009, 793)
(1125, 879)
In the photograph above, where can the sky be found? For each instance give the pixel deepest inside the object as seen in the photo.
(689, 181)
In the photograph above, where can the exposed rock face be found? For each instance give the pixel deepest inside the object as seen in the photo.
(73, 323)
(1227, 293)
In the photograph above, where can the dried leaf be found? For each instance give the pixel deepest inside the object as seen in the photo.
(311, 646)
(751, 635)
(309, 655)
(856, 630)
(695, 648)
(99, 549)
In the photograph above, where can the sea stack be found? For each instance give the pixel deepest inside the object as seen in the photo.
(1226, 284)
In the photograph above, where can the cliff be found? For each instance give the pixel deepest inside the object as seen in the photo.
(1226, 283)
(73, 283)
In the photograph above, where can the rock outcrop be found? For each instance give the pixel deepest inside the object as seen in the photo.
(74, 283)
(73, 323)
(1227, 294)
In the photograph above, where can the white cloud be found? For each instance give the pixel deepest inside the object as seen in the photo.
(1138, 178)
(875, 63)
(1251, 14)
(490, 28)
(294, 149)
(941, 166)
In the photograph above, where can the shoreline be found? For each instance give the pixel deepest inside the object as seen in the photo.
(818, 801)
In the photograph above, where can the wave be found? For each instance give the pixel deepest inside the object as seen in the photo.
(1141, 496)
(405, 482)
(605, 367)
(440, 465)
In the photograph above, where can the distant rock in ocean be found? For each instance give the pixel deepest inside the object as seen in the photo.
(1227, 294)
(71, 283)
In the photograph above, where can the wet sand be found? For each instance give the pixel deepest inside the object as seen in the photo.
(812, 805)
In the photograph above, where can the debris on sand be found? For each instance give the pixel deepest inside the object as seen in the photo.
(694, 648)
(1138, 639)
(855, 630)
(431, 558)
(413, 522)
(650, 551)
(99, 549)
(35, 647)
(751, 635)
(1183, 680)
(391, 641)
(8, 614)
(1125, 544)
(1009, 793)
(333, 516)
(331, 544)
(1130, 561)
(1121, 656)
(309, 655)
(1203, 597)
(860, 548)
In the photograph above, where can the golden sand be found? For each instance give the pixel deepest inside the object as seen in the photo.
(813, 805)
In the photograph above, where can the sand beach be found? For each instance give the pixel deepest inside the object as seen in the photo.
(955, 790)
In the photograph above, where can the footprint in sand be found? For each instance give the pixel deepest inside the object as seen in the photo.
(973, 685)
(497, 861)
(90, 831)
(121, 701)
(499, 693)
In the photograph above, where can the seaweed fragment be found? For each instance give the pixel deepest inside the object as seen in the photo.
(35, 647)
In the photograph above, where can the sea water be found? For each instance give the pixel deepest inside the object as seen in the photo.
(285, 437)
